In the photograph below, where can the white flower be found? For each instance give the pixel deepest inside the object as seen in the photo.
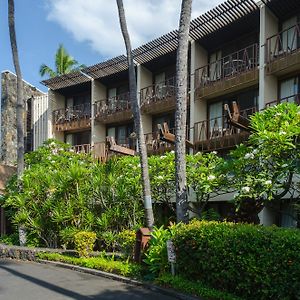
(214, 152)
(282, 132)
(268, 182)
(246, 189)
(160, 177)
(162, 157)
(52, 161)
(139, 165)
(72, 150)
(211, 177)
(172, 151)
(249, 155)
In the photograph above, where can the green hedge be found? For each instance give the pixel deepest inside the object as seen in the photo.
(251, 261)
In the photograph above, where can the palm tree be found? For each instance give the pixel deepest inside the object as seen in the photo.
(181, 111)
(20, 113)
(20, 100)
(137, 119)
(64, 63)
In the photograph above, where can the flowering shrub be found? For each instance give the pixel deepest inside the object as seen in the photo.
(84, 242)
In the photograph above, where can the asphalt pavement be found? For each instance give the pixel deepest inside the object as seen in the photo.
(21, 280)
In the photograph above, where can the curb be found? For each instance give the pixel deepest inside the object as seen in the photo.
(152, 287)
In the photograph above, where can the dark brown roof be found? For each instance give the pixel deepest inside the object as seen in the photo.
(106, 68)
(213, 20)
(221, 16)
(65, 80)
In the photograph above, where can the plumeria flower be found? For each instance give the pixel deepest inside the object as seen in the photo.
(246, 189)
(211, 177)
(249, 156)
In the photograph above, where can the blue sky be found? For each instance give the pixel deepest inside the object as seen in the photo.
(88, 29)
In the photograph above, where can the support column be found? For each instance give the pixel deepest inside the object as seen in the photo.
(268, 88)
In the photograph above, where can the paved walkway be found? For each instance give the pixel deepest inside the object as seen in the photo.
(33, 281)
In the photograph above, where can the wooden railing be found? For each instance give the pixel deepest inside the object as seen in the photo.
(294, 98)
(231, 65)
(155, 145)
(105, 107)
(69, 114)
(84, 148)
(159, 91)
(283, 43)
(218, 133)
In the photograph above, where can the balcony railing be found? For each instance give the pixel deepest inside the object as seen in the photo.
(294, 99)
(111, 106)
(69, 114)
(158, 92)
(218, 133)
(155, 145)
(283, 44)
(84, 148)
(231, 65)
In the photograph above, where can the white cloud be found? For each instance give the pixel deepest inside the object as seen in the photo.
(96, 22)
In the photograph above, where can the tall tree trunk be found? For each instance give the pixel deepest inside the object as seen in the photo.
(20, 100)
(181, 111)
(137, 119)
(20, 104)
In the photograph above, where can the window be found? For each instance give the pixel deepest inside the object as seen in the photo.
(289, 36)
(167, 118)
(215, 65)
(121, 134)
(78, 138)
(288, 89)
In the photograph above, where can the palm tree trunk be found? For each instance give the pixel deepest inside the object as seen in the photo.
(20, 100)
(137, 119)
(181, 111)
(20, 105)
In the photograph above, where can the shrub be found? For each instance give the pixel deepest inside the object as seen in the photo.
(126, 242)
(84, 242)
(254, 262)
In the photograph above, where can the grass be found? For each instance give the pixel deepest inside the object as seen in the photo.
(195, 288)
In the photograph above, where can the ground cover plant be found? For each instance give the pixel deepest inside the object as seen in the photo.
(101, 262)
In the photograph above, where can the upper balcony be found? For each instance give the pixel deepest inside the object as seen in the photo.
(159, 97)
(283, 51)
(113, 110)
(219, 134)
(228, 74)
(72, 118)
(294, 98)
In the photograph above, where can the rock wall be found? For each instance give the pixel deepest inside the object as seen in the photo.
(8, 146)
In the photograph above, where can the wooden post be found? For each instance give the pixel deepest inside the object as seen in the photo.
(2, 222)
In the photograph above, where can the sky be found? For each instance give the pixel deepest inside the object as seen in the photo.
(88, 29)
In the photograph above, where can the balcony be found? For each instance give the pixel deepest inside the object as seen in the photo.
(219, 134)
(113, 110)
(159, 97)
(84, 148)
(283, 51)
(293, 98)
(228, 74)
(156, 145)
(72, 118)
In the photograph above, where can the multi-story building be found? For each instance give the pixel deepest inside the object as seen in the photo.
(241, 51)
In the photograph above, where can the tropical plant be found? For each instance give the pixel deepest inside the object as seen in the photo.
(64, 63)
(181, 111)
(137, 119)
